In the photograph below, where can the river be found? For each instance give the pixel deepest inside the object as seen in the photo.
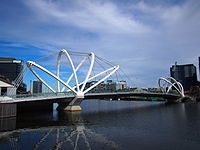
(107, 125)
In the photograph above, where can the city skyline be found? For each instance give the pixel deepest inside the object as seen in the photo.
(145, 38)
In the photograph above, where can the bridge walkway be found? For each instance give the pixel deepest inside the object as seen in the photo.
(67, 96)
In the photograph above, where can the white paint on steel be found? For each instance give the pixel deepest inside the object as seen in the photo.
(76, 89)
(89, 71)
(42, 80)
(90, 88)
(79, 65)
(30, 63)
(63, 51)
(95, 76)
(58, 71)
(169, 84)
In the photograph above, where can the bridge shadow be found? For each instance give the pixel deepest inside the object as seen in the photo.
(38, 119)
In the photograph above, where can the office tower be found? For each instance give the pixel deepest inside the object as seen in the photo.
(199, 67)
(185, 74)
(10, 69)
(37, 86)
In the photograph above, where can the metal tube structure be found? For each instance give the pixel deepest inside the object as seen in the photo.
(72, 66)
(42, 80)
(171, 83)
(90, 88)
(79, 65)
(80, 92)
(30, 63)
(89, 71)
(103, 72)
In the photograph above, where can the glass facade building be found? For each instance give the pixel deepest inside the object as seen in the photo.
(10, 69)
(185, 74)
(37, 86)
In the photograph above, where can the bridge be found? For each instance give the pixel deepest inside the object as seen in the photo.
(69, 96)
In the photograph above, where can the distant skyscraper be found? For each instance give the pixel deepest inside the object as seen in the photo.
(37, 86)
(199, 66)
(185, 74)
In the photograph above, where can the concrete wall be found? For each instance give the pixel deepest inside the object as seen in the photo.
(35, 106)
(7, 124)
(8, 110)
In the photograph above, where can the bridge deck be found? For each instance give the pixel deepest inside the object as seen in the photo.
(68, 97)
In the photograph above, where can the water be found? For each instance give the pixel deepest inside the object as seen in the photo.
(108, 125)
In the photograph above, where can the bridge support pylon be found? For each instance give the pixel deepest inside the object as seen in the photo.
(74, 105)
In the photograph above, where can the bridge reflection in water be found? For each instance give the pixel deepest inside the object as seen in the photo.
(108, 125)
(68, 131)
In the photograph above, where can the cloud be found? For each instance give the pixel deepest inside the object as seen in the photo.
(91, 15)
(144, 38)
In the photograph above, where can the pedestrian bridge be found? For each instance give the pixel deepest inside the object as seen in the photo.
(69, 97)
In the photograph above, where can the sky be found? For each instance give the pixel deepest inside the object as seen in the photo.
(144, 37)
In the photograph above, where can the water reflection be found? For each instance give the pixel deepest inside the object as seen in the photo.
(74, 135)
(107, 125)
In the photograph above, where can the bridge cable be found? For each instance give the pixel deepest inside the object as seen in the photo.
(76, 53)
(106, 61)
(97, 61)
(37, 60)
(126, 76)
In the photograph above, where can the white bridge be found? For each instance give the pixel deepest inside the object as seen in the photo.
(79, 88)
(169, 84)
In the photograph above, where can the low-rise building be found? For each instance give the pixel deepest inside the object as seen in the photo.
(110, 85)
(6, 88)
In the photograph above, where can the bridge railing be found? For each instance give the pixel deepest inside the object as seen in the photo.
(51, 94)
(22, 96)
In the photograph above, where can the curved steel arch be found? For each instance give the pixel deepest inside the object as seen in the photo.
(30, 63)
(75, 69)
(79, 92)
(63, 51)
(169, 84)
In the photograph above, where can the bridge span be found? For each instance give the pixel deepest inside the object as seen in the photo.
(10, 106)
(64, 97)
(69, 97)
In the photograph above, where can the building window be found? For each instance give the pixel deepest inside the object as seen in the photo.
(3, 90)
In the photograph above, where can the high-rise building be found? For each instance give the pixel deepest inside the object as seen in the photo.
(10, 69)
(185, 74)
(199, 67)
(37, 86)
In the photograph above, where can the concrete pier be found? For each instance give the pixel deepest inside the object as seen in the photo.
(8, 110)
(66, 107)
(73, 105)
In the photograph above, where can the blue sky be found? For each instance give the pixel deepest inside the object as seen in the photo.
(144, 37)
